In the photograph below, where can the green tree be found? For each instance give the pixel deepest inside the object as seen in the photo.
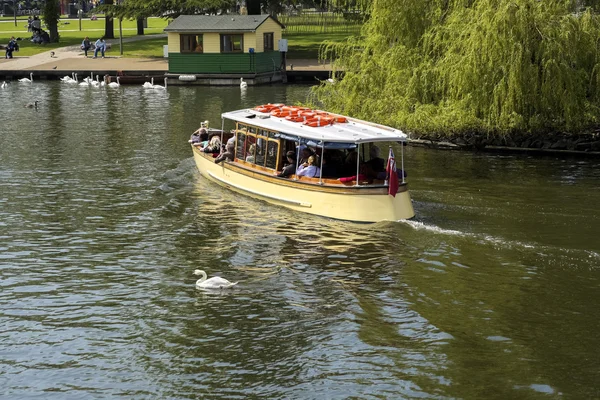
(165, 8)
(456, 66)
(51, 12)
(253, 7)
(109, 23)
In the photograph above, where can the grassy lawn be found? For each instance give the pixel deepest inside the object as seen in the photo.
(70, 34)
(306, 45)
(149, 48)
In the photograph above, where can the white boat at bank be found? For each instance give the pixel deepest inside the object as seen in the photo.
(262, 136)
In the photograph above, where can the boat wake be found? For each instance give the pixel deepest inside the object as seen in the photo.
(420, 226)
(542, 250)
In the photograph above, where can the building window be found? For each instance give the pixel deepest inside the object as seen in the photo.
(268, 41)
(191, 43)
(232, 43)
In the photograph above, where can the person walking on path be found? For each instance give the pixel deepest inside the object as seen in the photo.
(100, 46)
(12, 46)
(86, 45)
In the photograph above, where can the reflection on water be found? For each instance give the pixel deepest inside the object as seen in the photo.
(104, 218)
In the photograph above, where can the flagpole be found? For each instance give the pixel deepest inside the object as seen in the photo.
(357, 162)
(402, 159)
(387, 169)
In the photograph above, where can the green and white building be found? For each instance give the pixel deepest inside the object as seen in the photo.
(217, 49)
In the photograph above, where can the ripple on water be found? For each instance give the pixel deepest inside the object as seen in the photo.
(103, 223)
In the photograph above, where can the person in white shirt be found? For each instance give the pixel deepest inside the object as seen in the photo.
(311, 171)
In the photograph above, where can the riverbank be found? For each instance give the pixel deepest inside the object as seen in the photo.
(550, 143)
(56, 63)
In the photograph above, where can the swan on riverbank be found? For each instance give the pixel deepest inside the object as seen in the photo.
(215, 282)
(27, 80)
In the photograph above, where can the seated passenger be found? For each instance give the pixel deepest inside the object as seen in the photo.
(199, 138)
(349, 167)
(250, 156)
(213, 146)
(228, 154)
(311, 170)
(330, 169)
(290, 167)
(375, 165)
(305, 152)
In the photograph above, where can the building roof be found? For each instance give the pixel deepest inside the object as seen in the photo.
(353, 131)
(218, 23)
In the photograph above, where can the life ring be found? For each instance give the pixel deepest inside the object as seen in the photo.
(268, 107)
(279, 113)
(295, 118)
(309, 114)
(339, 119)
(319, 121)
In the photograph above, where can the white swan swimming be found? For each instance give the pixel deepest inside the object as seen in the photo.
(213, 283)
(159, 86)
(27, 80)
(115, 84)
(3, 85)
(32, 105)
(96, 83)
(243, 85)
(148, 85)
(74, 80)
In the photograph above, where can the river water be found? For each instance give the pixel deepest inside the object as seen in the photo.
(490, 292)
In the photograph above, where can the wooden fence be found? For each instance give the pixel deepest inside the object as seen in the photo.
(315, 21)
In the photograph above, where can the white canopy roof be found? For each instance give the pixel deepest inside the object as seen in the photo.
(353, 131)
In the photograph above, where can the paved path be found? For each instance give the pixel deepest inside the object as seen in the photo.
(71, 58)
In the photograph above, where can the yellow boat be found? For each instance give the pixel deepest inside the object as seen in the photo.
(262, 137)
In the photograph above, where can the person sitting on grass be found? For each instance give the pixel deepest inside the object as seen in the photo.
(45, 37)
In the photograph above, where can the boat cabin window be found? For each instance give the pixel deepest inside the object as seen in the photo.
(250, 153)
(261, 150)
(241, 141)
(272, 156)
(257, 146)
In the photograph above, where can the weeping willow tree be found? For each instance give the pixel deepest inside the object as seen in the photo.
(457, 66)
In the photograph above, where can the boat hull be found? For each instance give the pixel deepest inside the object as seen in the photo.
(359, 205)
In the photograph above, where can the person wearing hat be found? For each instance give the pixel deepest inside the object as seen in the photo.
(290, 167)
